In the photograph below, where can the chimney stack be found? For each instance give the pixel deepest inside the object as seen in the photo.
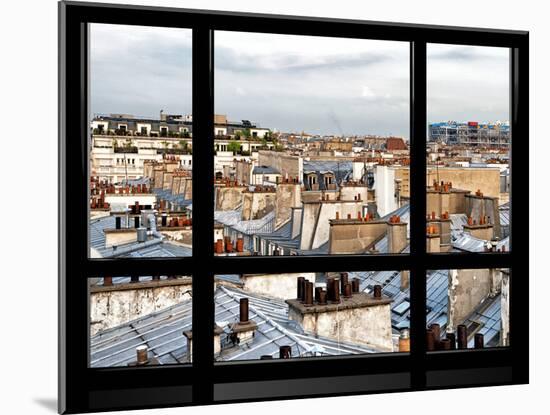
(452, 340)
(335, 291)
(404, 341)
(322, 297)
(308, 295)
(142, 355)
(430, 343)
(462, 336)
(243, 311)
(355, 285)
(343, 281)
(437, 334)
(285, 352)
(478, 341)
(300, 287)
(347, 290)
(444, 344)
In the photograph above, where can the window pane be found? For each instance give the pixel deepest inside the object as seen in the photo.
(139, 321)
(468, 155)
(470, 307)
(140, 141)
(311, 138)
(271, 316)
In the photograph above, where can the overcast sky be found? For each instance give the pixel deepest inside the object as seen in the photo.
(292, 83)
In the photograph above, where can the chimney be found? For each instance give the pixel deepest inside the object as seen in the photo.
(219, 246)
(355, 285)
(117, 222)
(444, 344)
(300, 288)
(452, 339)
(142, 357)
(243, 310)
(188, 334)
(240, 245)
(430, 340)
(354, 317)
(285, 352)
(405, 279)
(397, 235)
(478, 341)
(433, 239)
(141, 234)
(404, 341)
(436, 329)
(243, 332)
(462, 337)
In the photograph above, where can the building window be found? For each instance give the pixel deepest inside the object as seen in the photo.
(389, 263)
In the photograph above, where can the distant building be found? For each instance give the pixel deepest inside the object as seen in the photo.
(470, 133)
(394, 144)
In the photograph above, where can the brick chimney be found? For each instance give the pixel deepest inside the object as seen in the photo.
(345, 315)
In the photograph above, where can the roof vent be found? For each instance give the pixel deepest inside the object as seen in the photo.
(141, 234)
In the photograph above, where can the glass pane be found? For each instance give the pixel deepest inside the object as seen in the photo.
(469, 307)
(311, 139)
(272, 316)
(139, 321)
(468, 155)
(140, 142)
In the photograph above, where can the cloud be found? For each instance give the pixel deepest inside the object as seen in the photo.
(290, 83)
(367, 93)
(232, 60)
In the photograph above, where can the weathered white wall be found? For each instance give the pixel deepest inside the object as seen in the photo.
(467, 288)
(370, 326)
(112, 308)
(283, 286)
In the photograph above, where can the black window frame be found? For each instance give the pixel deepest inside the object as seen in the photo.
(83, 389)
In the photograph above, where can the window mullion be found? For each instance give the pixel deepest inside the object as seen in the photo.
(203, 210)
(418, 208)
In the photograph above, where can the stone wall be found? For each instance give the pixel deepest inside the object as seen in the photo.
(280, 286)
(113, 306)
(368, 325)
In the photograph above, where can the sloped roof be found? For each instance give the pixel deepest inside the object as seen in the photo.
(162, 333)
(232, 218)
(150, 249)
